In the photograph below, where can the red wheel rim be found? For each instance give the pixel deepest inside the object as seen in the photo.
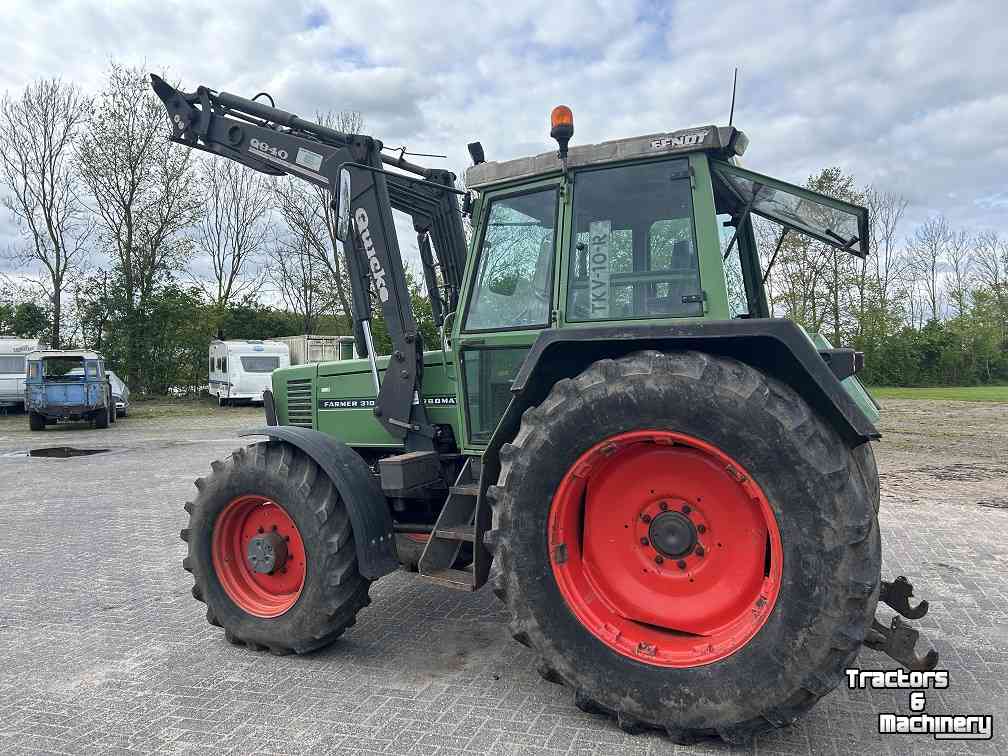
(665, 549)
(258, 593)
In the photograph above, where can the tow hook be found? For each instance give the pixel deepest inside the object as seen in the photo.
(899, 640)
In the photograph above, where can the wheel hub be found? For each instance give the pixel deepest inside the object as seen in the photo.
(665, 548)
(673, 534)
(267, 552)
(259, 556)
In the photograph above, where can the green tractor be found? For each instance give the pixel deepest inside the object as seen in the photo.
(673, 492)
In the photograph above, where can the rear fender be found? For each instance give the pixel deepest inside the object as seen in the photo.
(357, 486)
(777, 347)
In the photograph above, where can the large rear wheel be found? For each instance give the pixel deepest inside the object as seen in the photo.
(709, 545)
(272, 551)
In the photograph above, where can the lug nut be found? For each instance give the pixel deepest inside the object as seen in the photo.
(643, 541)
(664, 506)
(686, 509)
(646, 517)
(701, 528)
(681, 564)
(699, 551)
(659, 559)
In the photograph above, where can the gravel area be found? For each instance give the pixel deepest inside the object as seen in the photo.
(104, 650)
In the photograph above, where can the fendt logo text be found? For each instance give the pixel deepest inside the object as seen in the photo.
(377, 271)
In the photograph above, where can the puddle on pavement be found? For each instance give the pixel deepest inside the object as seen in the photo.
(56, 452)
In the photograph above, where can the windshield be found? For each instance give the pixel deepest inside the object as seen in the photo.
(260, 364)
(512, 288)
(634, 245)
(63, 368)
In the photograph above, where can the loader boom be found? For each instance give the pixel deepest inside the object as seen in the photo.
(279, 143)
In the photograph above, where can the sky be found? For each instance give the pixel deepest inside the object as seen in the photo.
(911, 97)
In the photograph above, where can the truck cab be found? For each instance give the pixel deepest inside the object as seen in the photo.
(70, 385)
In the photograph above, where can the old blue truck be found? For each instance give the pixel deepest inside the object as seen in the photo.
(67, 385)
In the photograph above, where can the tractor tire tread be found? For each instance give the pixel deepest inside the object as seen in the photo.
(819, 446)
(343, 591)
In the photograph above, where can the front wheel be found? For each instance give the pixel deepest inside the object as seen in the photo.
(272, 551)
(685, 544)
(101, 418)
(36, 422)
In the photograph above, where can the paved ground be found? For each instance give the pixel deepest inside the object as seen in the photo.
(102, 648)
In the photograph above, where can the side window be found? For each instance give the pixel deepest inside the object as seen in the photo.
(91, 369)
(738, 305)
(634, 244)
(224, 363)
(513, 281)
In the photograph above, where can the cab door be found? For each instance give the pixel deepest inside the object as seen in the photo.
(510, 298)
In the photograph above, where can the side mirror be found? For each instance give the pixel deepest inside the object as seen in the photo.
(343, 206)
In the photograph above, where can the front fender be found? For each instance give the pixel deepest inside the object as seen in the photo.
(357, 486)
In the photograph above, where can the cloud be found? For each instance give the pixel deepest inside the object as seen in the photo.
(907, 96)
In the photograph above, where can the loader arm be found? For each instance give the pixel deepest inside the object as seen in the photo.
(279, 143)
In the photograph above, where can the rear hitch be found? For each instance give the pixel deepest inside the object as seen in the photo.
(899, 640)
(896, 595)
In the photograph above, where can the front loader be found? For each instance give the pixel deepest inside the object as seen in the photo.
(673, 492)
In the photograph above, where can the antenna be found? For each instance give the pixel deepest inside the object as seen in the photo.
(731, 114)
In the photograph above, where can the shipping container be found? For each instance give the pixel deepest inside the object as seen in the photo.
(310, 348)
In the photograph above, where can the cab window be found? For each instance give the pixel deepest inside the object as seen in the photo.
(634, 246)
(513, 280)
(738, 302)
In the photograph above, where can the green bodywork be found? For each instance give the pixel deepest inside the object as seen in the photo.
(337, 398)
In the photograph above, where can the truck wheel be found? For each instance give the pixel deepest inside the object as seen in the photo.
(101, 418)
(36, 422)
(686, 545)
(272, 551)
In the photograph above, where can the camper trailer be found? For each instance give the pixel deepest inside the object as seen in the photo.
(240, 369)
(12, 369)
(310, 348)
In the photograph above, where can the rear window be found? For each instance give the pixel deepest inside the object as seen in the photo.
(12, 364)
(260, 364)
(65, 368)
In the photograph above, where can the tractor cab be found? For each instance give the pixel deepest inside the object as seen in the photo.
(649, 230)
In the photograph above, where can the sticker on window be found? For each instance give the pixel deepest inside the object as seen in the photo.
(308, 159)
(599, 249)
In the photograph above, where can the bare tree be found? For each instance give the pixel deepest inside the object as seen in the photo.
(38, 132)
(959, 282)
(231, 233)
(928, 248)
(298, 276)
(144, 196)
(307, 210)
(992, 268)
(889, 264)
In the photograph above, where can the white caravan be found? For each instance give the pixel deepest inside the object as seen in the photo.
(12, 368)
(240, 370)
